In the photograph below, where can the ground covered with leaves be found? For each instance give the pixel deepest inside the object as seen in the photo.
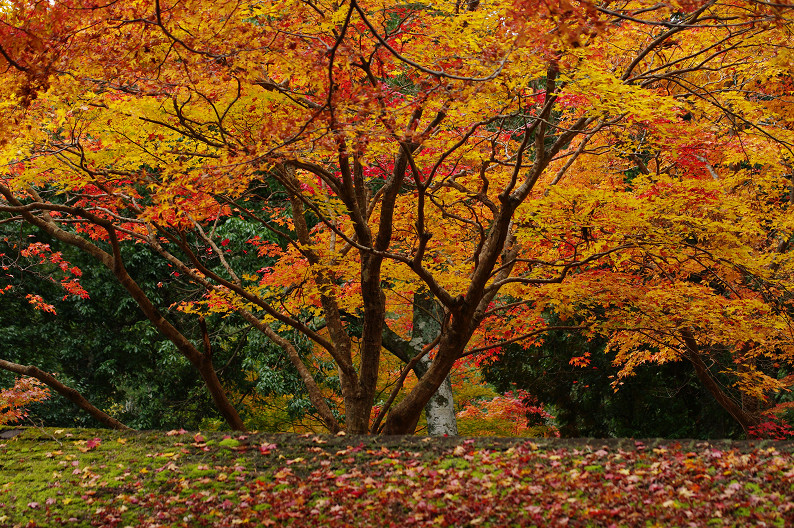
(54, 477)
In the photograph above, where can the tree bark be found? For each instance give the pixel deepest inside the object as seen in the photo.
(65, 391)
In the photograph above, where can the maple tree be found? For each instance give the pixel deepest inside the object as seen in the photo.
(627, 165)
(14, 400)
(512, 414)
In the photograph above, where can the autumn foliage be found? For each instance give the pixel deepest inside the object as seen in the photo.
(15, 400)
(625, 168)
(519, 413)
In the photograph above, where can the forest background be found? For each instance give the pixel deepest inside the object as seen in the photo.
(332, 216)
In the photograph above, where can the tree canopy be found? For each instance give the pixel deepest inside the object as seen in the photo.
(626, 167)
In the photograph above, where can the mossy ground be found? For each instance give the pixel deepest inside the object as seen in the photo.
(57, 476)
(85, 477)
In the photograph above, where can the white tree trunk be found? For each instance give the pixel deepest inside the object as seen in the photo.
(440, 410)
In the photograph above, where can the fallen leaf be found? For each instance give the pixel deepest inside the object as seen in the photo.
(175, 432)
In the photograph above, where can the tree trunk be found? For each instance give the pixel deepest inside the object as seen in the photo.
(202, 362)
(745, 419)
(403, 417)
(440, 409)
(218, 393)
(65, 391)
(358, 388)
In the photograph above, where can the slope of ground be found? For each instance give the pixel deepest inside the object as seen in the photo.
(79, 477)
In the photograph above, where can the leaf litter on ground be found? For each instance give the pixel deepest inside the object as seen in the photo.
(76, 477)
